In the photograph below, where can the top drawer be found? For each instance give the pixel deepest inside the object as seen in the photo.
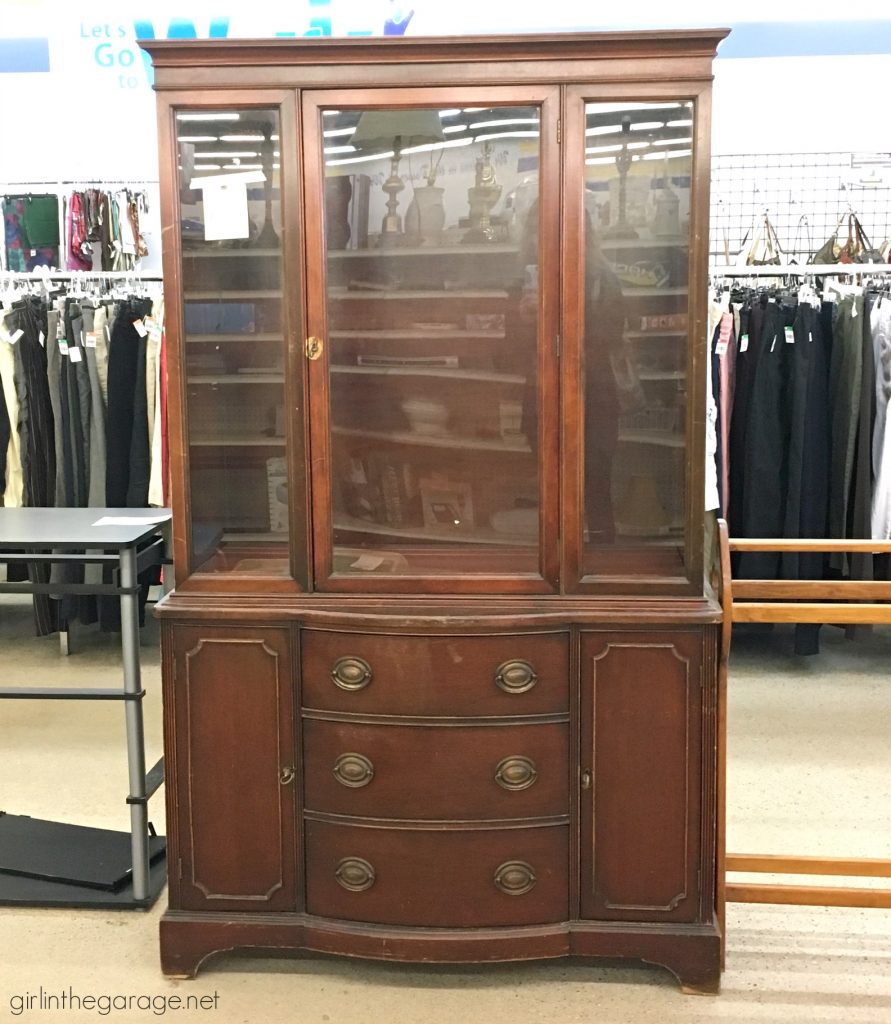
(509, 674)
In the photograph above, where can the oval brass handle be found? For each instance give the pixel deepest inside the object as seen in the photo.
(355, 874)
(587, 779)
(516, 773)
(351, 673)
(515, 676)
(286, 775)
(314, 347)
(515, 877)
(353, 770)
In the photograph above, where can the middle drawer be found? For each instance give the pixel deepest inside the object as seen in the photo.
(450, 773)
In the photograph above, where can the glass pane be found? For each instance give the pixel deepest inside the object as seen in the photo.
(433, 339)
(638, 163)
(234, 347)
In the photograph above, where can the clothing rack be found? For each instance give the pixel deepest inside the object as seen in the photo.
(802, 270)
(78, 275)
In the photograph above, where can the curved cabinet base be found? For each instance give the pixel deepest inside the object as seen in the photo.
(691, 952)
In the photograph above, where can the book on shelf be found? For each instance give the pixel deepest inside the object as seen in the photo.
(277, 487)
(382, 488)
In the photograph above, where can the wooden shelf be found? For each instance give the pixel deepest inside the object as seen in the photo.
(660, 438)
(408, 334)
(237, 378)
(431, 293)
(256, 537)
(674, 242)
(225, 294)
(212, 254)
(481, 535)
(424, 250)
(448, 373)
(206, 339)
(434, 440)
(654, 335)
(662, 375)
(233, 442)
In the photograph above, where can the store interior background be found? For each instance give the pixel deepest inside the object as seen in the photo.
(808, 737)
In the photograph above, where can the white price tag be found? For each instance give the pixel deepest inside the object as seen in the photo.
(744, 343)
(74, 354)
(140, 328)
(42, 338)
(155, 333)
(90, 339)
(13, 338)
(790, 336)
(63, 346)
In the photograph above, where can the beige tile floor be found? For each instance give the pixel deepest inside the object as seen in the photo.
(810, 750)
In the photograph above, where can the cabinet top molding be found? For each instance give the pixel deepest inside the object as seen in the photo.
(582, 46)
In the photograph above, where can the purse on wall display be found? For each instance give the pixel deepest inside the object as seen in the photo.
(764, 249)
(857, 248)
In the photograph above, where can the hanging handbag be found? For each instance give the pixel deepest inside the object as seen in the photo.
(830, 250)
(765, 249)
(863, 250)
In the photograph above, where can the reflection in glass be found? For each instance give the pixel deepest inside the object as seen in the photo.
(230, 226)
(433, 354)
(638, 162)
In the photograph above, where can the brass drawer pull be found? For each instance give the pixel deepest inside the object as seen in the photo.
(515, 676)
(355, 874)
(351, 673)
(353, 770)
(516, 773)
(287, 775)
(515, 877)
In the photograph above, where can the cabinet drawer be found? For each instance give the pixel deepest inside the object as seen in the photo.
(513, 674)
(436, 772)
(428, 878)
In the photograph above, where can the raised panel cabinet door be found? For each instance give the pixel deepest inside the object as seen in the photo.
(641, 775)
(235, 761)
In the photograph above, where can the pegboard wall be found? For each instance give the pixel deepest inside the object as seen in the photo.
(820, 187)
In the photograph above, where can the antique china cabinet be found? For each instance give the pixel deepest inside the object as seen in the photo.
(440, 668)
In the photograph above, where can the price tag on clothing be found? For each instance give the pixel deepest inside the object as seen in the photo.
(63, 346)
(790, 336)
(140, 328)
(90, 339)
(13, 338)
(744, 343)
(74, 354)
(155, 333)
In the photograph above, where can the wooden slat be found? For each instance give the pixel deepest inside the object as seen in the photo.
(810, 896)
(878, 590)
(781, 864)
(829, 611)
(801, 544)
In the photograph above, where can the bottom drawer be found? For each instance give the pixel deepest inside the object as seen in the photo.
(467, 878)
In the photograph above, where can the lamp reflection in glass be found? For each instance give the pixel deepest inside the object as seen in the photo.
(622, 228)
(391, 131)
(482, 196)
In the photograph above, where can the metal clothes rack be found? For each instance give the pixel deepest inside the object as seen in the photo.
(802, 270)
(78, 275)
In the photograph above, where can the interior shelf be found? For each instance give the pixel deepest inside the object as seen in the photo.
(478, 535)
(654, 335)
(406, 334)
(219, 253)
(233, 442)
(424, 250)
(433, 371)
(237, 378)
(204, 339)
(427, 293)
(227, 295)
(661, 438)
(435, 440)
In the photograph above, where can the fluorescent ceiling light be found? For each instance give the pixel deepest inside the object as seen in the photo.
(506, 135)
(679, 124)
(227, 155)
(603, 149)
(340, 149)
(332, 132)
(218, 116)
(451, 112)
(243, 167)
(671, 142)
(243, 138)
(329, 113)
(507, 121)
(600, 160)
(606, 129)
(451, 128)
(667, 154)
(620, 108)
(646, 126)
(206, 167)
(465, 140)
(360, 159)
(196, 138)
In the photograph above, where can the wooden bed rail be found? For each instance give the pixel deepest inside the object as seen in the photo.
(830, 601)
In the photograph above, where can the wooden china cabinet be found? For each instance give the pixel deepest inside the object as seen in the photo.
(440, 666)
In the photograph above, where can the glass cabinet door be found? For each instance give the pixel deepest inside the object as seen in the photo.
(433, 325)
(233, 340)
(633, 306)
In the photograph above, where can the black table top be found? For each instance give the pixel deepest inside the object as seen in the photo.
(23, 528)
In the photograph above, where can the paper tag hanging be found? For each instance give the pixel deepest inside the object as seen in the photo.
(744, 342)
(790, 335)
(90, 339)
(74, 354)
(63, 346)
(140, 328)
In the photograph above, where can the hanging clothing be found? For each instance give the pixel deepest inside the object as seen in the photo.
(880, 320)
